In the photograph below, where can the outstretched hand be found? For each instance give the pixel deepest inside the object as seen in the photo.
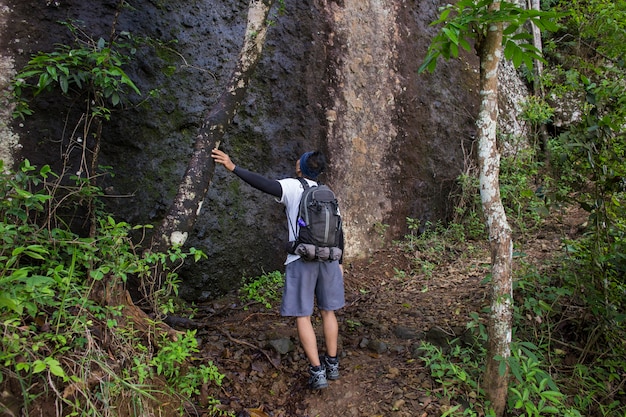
(222, 158)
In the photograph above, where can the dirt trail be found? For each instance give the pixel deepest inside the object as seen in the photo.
(389, 312)
(392, 306)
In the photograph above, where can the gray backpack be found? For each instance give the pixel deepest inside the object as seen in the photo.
(318, 230)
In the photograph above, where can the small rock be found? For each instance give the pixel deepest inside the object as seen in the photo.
(398, 404)
(425, 400)
(412, 395)
(377, 346)
(406, 333)
(398, 349)
(393, 373)
(438, 337)
(283, 345)
(418, 352)
(364, 342)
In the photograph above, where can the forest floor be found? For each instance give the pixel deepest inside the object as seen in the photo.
(392, 306)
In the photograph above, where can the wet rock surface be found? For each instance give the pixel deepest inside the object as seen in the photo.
(340, 76)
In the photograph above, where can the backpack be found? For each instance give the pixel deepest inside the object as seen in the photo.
(318, 230)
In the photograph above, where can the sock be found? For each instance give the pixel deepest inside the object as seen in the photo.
(316, 368)
(331, 359)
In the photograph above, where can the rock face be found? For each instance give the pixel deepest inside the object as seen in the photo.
(340, 76)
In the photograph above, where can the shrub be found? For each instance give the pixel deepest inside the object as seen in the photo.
(58, 332)
(265, 289)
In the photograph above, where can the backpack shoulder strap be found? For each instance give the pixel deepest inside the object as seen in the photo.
(304, 182)
(295, 229)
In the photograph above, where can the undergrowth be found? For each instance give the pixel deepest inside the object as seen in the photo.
(71, 340)
(560, 364)
(265, 289)
(64, 342)
(567, 353)
(569, 320)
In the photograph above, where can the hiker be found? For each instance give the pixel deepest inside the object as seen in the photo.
(304, 280)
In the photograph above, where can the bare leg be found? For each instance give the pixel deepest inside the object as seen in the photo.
(308, 339)
(331, 332)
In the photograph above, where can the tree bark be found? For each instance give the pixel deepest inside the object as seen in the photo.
(538, 70)
(182, 214)
(499, 326)
(537, 83)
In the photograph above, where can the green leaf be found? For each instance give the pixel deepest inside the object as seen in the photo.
(64, 69)
(501, 366)
(451, 410)
(78, 79)
(34, 254)
(39, 366)
(528, 61)
(546, 22)
(28, 74)
(518, 57)
(96, 274)
(22, 366)
(56, 369)
(36, 280)
(452, 35)
(509, 48)
(515, 369)
(64, 84)
(454, 50)
(34, 251)
(44, 81)
(45, 170)
(530, 49)
(53, 72)
(429, 64)
(444, 15)
(23, 193)
(521, 36)
(550, 409)
(9, 303)
(553, 396)
(465, 44)
(18, 251)
(509, 29)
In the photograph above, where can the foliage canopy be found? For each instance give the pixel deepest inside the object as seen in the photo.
(468, 21)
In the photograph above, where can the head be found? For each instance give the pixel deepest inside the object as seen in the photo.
(311, 164)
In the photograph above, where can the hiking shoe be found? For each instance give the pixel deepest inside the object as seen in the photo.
(332, 367)
(317, 379)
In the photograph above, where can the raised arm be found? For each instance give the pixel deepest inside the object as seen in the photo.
(257, 181)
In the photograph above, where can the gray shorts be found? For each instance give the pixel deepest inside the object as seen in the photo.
(305, 281)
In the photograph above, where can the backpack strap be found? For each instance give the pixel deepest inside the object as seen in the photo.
(305, 185)
(304, 182)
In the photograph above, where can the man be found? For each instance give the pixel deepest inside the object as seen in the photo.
(304, 280)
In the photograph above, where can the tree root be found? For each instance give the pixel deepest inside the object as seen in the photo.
(250, 345)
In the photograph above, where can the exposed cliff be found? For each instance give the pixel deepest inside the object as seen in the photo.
(336, 75)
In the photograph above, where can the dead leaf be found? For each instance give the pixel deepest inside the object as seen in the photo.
(256, 412)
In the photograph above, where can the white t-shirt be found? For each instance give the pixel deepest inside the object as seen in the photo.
(292, 191)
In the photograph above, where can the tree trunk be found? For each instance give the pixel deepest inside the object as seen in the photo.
(538, 69)
(499, 326)
(537, 83)
(175, 227)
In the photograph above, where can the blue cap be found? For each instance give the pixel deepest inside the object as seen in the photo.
(307, 171)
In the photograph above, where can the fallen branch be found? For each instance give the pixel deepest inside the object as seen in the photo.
(250, 345)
